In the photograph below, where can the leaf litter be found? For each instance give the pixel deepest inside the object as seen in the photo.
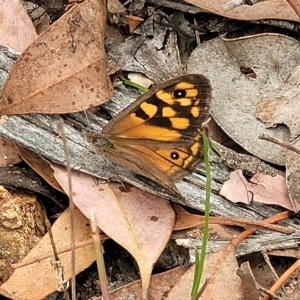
(228, 89)
(139, 218)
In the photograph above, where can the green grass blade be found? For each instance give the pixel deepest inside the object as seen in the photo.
(135, 85)
(199, 260)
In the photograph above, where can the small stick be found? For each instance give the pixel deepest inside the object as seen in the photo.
(71, 206)
(275, 218)
(279, 142)
(99, 258)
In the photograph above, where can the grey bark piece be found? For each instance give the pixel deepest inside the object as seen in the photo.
(38, 133)
(157, 56)
(7, 58)
(263, 241)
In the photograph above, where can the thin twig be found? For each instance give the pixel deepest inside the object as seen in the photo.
(71, 206)
(99, 258)
(279, 142)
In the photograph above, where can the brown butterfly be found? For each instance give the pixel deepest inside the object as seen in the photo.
(157, 136)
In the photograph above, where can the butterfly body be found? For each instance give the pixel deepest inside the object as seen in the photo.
(158, 136)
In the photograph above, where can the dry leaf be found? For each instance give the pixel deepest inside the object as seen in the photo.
(9, 153)
(283, 106)
(275, 9)
(41, 281)
(160, 285)
(261, 188)
(16, 30)
(64, 69)
(220, 270)
(140, 222)
(235, 96)
(41, 166)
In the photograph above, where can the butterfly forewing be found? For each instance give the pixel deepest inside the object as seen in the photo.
(169, 111)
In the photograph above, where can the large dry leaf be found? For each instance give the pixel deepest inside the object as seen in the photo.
(261, 188)
(220, 271)
(16, 29)
(235, 96)
(64, 70)
(37, 280)
(275, 9)
(140, 222)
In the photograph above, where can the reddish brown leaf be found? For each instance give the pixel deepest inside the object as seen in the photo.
(261, 188)
(64, 70)
(39, 165)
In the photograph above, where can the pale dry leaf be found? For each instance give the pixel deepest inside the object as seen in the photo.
(236, 96)
(220, 271)
(140, 222)
(16, 29)
(236, 189)
(64, 69)
(271, 190)
(140, 79)
(37, 280)
(275, 9)
(261, 188)
(282, 106)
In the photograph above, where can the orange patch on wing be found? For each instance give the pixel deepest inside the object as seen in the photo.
(166, 97)
(169, 112)
(144, 131)
(184, 85)
(149, 109)
(180, 123)
(184, 101)
(195, 111)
